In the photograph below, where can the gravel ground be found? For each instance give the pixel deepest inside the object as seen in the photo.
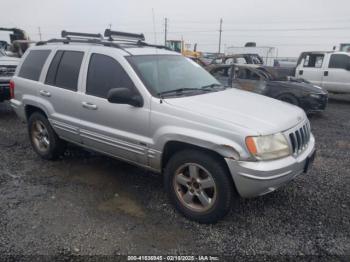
(87, 204)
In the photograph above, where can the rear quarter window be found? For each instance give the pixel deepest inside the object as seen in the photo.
(33, 64)
(64, 69)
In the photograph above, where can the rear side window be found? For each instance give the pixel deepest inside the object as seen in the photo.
(339, 61)
(64, 70)
(104, 74)
(32, 65)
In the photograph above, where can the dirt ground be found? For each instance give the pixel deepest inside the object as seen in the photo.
(89, 204)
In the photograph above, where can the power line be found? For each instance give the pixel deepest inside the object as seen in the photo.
(165, 29)
(267, 30)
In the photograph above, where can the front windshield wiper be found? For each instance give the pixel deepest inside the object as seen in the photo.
(211, 86)
(178, 91)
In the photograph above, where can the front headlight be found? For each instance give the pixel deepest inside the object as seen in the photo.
(268, 147)
(317, 96)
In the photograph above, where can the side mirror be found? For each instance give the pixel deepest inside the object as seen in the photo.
(124, 95)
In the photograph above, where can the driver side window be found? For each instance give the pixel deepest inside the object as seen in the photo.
(105, 73)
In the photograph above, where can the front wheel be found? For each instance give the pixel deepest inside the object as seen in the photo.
(199, 185)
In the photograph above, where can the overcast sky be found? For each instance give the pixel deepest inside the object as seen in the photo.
(290, 25)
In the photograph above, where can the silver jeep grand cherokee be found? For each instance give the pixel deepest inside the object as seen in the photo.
(159, 110)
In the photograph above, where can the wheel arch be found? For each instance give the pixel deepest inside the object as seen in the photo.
(220, 152)
(30, 109)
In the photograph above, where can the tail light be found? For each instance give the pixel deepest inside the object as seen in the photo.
(12, 89)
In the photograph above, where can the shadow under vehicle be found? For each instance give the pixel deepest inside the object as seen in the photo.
(273, 83)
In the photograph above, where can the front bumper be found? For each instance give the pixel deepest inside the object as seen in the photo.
(258, 178)
(314, 105)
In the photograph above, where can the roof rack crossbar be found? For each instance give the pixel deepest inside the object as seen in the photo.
(88, 41)
(123, 35)
(141, 43)
(67, 34)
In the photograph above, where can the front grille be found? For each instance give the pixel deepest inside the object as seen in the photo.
(8, 70)
(299, 138)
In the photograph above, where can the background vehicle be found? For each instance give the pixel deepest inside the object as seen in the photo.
(268, 81)
(179, 46)
(19, 41)
(330, 70)
(159, 110)
(250, 59)
(7, 69)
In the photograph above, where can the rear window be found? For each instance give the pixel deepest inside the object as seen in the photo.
(32, 65)
(64, 70)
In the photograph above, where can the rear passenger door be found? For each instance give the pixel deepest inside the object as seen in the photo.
(119, 130)
(62, 94)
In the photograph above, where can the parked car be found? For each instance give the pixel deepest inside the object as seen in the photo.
(271, 82)
(330, 70)
(161, 111)
(7, 69)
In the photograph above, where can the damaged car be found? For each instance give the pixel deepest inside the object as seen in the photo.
(273, 83)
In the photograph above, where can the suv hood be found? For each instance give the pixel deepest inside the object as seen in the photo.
(261, 114)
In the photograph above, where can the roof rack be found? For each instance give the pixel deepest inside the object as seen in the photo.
(123, 36)
(130, 39)
(68, 35)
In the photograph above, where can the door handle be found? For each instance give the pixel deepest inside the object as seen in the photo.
(45, 93)
(301, 72)
(88, 105)
(325, 73)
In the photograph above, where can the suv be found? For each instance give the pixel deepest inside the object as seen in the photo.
(161, 111)
(7, 69)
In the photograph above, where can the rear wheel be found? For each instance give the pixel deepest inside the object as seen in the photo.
(199, 186)
(43, 138)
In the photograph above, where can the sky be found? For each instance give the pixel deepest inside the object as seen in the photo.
(291, 26)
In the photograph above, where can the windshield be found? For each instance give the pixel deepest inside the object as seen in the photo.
(2, 53)
(276, 74)
(166, 73)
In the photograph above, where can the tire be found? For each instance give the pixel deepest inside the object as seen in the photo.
(289, 99)
(43, 138)
(185, 165)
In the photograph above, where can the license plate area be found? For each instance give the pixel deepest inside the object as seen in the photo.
(309, 161)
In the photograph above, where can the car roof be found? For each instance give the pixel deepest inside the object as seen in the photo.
(125, 50)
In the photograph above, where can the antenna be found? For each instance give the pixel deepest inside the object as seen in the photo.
(154, 27)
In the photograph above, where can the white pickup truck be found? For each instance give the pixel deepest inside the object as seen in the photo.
(330, 70)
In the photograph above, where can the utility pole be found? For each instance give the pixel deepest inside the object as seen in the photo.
(220, 35)
(165, 29)
(39, 33)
